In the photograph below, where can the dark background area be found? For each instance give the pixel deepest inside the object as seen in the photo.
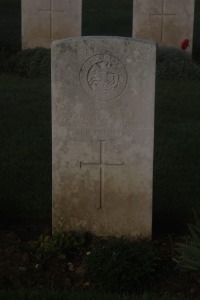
(10, 25)
(95, 21)
(115, 21)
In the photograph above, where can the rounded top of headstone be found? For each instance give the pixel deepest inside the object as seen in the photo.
(103, 38)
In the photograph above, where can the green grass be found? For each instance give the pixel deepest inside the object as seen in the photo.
(52, 295)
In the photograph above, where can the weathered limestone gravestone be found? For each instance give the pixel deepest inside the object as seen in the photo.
(46, 20)
(164, 21)
(103, 127)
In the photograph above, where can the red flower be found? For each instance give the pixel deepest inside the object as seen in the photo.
(185, 44)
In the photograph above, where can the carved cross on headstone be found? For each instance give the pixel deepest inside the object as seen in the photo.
(101, 164)
(163, 15)
(51, 11)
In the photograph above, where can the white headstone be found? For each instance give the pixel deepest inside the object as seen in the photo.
(46, 20)
(164, 21)
(103, 126)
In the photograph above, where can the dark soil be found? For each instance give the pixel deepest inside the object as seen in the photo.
(20, 268)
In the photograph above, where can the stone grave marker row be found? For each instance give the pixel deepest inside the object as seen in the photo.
(164, 21)
(46, 20)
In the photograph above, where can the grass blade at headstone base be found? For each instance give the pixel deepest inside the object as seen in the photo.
(188, 265)
(195, 237)
(189, 259)
(197, 220)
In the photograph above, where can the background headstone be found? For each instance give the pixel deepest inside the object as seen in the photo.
(46, 20)
(164, 21)
(103, 127)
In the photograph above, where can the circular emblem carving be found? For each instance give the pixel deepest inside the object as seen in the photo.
(103, 77)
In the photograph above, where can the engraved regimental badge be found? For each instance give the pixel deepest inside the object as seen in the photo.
(103, 77)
